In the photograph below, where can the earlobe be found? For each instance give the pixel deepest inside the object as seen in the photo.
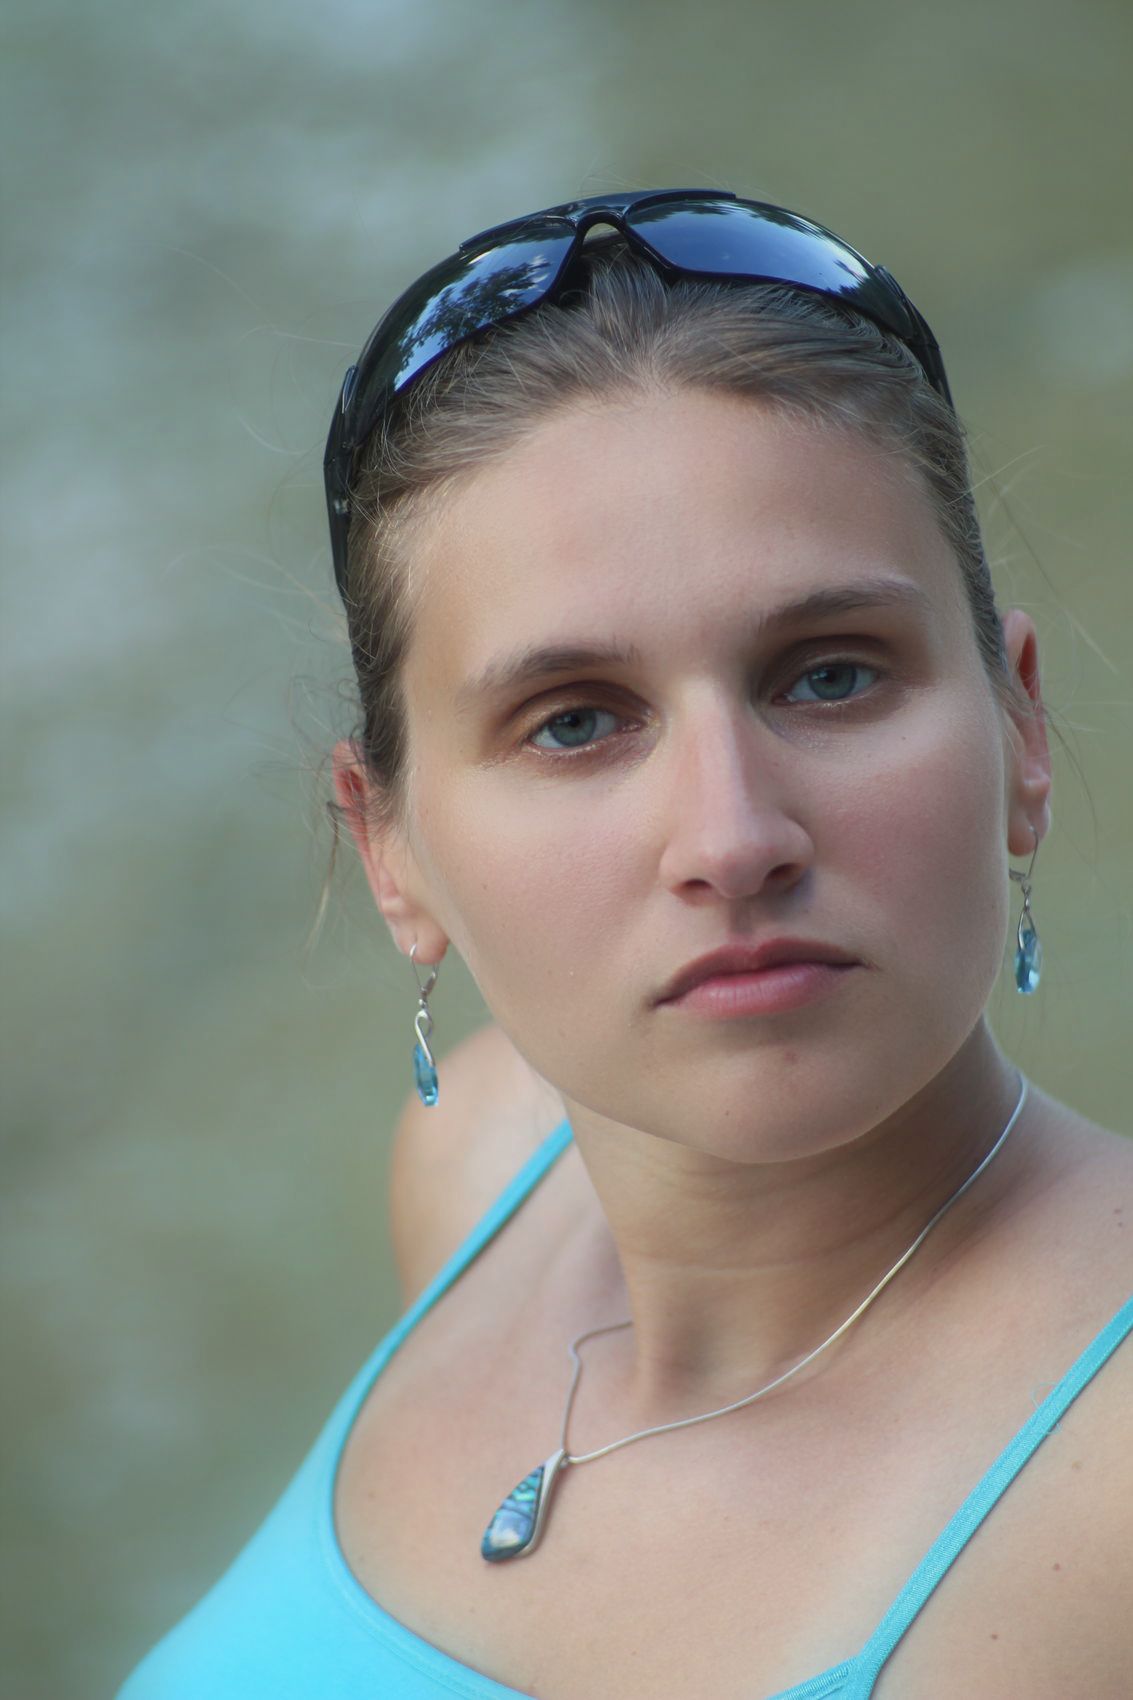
(1028, 754)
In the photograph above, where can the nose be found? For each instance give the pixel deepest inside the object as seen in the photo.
(732, 808)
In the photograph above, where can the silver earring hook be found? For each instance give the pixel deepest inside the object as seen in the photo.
(1024, 879)
(430, 982)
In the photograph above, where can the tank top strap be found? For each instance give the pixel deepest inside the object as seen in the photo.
(956, 1535)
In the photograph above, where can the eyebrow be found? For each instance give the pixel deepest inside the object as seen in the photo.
(523, 665)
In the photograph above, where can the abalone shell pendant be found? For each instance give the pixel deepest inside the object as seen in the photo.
(518, 1523)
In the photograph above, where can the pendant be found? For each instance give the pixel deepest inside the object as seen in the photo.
(518, 1523)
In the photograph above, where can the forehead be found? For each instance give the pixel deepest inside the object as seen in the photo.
(667, 518)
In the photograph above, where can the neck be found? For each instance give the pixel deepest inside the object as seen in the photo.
(732, 1272)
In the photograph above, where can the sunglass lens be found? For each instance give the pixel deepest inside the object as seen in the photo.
(730, 239)
(450, 304)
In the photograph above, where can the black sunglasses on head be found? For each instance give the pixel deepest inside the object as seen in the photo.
(505, 271)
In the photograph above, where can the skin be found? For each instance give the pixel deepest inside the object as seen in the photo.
(755, 1176)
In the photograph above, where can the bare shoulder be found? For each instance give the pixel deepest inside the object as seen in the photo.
(1103, 1155)
(1080, 1215)
(450, 1161)
(1081, 1245)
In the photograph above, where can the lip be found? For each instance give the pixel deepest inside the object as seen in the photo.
(745, 960)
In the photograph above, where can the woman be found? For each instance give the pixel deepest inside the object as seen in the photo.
(689, 721)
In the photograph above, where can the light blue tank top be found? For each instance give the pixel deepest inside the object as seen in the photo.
(289, 1621)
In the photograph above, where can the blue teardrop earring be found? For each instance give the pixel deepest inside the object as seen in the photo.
(1028, 948)
(424, 1065)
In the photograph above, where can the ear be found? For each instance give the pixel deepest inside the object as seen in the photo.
(1028, 769)
(388, 861)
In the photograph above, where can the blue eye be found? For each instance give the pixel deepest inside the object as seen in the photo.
(577, 725)
(833, 680)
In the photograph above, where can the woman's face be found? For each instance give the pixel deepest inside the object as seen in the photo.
(742, 772)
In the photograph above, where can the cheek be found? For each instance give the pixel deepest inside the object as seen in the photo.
(928, 850)
(534, 894)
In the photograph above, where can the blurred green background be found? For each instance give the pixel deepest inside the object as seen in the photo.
(206, 208)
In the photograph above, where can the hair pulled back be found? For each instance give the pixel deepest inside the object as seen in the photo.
(623, 330)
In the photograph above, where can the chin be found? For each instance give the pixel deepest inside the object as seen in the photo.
(773, 1104)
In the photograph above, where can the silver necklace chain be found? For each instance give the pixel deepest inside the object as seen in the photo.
(687, 1422)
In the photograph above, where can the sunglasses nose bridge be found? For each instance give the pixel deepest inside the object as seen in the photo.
(612, 217)
(604, 212)
(595, 209)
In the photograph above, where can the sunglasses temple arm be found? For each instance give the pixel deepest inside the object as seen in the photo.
(923, 344)
(928, 352)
